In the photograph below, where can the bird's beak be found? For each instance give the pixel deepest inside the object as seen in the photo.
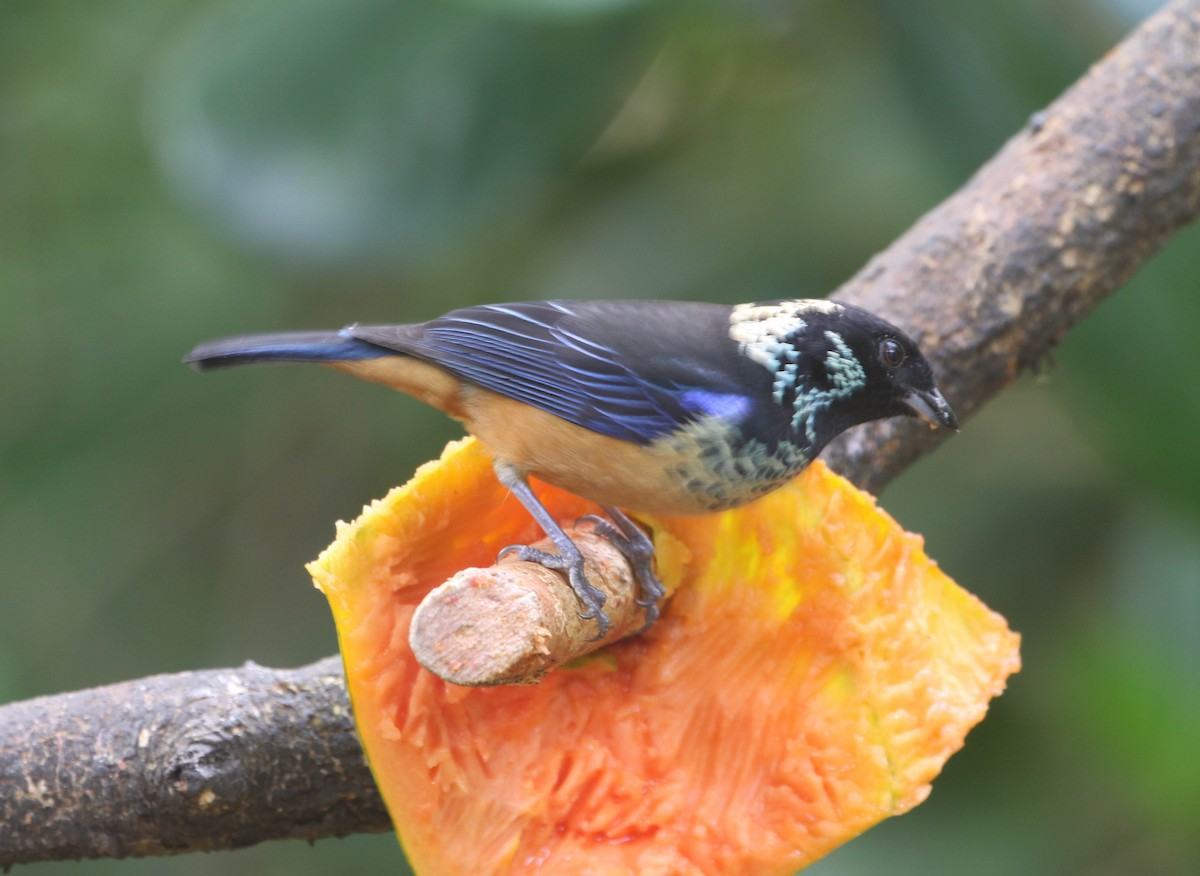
(930, 405)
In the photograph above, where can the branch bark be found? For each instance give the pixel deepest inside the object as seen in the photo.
(988, 281)
(514, 621)
(196, 761)
(991, 279)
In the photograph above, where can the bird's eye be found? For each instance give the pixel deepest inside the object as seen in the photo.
(891, 353)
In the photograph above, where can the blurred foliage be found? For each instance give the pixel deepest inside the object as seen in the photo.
(178, 169)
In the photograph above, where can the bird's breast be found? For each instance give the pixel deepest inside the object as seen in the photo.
(719, 467)
(706, 466)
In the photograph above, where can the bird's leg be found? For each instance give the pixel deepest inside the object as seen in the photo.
(568, 557)
(631, 540)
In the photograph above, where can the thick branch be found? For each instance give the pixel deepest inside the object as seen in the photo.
(196, 761)
(989, 281)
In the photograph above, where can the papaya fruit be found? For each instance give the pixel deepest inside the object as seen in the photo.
(811, 675)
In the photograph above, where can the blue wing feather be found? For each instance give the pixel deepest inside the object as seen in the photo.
(602, 365)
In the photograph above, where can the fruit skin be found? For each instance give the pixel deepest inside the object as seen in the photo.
(809, 678)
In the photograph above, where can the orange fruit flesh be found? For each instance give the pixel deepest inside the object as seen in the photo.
(809, 678)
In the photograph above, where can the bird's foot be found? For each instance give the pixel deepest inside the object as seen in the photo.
(627, 537)
(591, 598)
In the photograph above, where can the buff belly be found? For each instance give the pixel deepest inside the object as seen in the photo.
(692, 472)
(695, 471)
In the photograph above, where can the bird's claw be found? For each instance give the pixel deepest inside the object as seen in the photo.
(626, 537)
(605, 529)
(631, 541)
(590, 597)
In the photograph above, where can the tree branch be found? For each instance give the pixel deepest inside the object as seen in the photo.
(514, 621)
(989, 281)
(190, 762)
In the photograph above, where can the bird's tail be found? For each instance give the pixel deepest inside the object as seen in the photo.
(283, 347)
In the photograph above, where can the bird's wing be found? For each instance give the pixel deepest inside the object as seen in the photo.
(598, 365)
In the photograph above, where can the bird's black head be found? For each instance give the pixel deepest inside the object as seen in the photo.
(835, 366)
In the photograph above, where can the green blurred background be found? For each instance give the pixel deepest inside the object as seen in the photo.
(172, 170)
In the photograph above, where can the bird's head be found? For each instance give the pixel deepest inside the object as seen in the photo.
(835, 365)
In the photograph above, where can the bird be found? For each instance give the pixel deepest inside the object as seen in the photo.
(653, 407)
